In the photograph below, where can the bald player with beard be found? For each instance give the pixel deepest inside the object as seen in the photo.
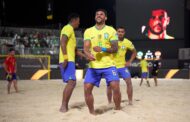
(158, 25)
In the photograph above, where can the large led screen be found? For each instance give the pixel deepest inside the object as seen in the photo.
(151, 19)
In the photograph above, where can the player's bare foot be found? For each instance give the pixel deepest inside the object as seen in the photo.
(63, 109)
(117, 108)
(93, 113)
(109, 102)
(130, 103)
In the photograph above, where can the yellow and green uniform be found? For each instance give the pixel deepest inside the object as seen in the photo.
(101, 38)
(119, 57)
(68, 31)
(144, 66)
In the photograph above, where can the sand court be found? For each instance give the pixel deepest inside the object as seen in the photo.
(39, 101)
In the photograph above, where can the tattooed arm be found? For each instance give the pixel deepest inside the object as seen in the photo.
(112, 49)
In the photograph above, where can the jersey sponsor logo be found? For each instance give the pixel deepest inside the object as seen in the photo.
(123, 47)
(106, 36)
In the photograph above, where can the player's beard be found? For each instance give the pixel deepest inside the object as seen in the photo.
(157, 33)
(100, 22)
(121, 38)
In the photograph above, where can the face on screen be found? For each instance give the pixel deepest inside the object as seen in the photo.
(153, 20)
(158, 21)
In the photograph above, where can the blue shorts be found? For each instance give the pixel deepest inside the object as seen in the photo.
(124, 73)
(69, 72)
(144, 75)
(94, 76)
(10, 77)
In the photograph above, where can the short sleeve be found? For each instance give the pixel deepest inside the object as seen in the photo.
(86, 35)
(113, 36)
(67, 30)
(131, 46)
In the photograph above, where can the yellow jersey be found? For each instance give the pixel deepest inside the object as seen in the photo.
(71, 43)
(144, 66)
(101, 38)
(119, 57)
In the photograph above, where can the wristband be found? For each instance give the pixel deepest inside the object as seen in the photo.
(104, 49)
(65, 57)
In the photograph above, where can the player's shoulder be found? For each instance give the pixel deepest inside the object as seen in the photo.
(89, 29)
(67, 27)
(127, 40)
(110, 28)
(8, 57)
